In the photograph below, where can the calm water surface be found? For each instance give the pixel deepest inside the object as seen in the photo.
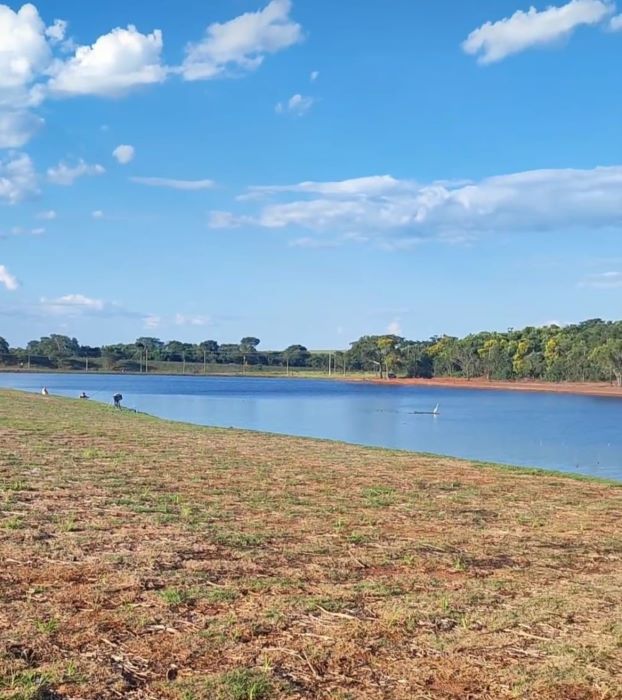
(555, 431)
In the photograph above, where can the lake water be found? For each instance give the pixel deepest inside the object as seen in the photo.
(580, 434)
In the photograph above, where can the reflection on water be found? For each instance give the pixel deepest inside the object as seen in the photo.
(555, 431)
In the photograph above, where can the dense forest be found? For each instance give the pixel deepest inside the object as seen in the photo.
(587, 351)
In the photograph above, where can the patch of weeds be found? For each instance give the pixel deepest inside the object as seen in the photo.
(238, 540)
(357, 538)
(16, 485)
(28, 685)
(68, 524)
(14, 523)
(241, 684)
(460, 563)
(47, 626)
(220, 595)
(175, 596)
(379, 496)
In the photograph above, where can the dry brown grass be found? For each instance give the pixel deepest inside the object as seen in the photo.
(143, 559)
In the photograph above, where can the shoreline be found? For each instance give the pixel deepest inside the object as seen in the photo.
(577, 388)
(477, 383)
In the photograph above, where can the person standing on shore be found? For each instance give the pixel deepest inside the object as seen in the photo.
(117, 398)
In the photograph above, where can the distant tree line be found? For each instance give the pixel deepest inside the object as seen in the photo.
(587, 351)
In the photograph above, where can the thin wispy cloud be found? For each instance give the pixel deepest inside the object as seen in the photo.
(65, 175)
(18, 127)
(18, 179)
(191, 320)
(7, 280)
(49, 215)
(298, 105)
(171, 183)
(241, 44)
(385, 207)
(603, 280)
(494, 41)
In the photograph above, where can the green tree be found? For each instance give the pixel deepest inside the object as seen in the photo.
(608, 356)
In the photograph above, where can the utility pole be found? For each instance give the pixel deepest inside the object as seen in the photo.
(86, 363)
(183, 359)
(204, 361)
(146, 356)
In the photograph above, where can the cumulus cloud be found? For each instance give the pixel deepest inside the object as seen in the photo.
(18, 179)
(66, 175)
(124, 153)
(173, 184)
(494, 41)
(242, 43)
(8, 280)
(384, 207)
(17, 128)
(603, 280)
(57, 31)
(25, 51)
(616, 23)
(117, 62)
(297, 105)
(49, 215)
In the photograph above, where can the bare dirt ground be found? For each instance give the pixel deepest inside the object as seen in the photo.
(587, 388)
(144, 559)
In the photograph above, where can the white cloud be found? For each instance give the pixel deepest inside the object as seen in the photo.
(383, 207)
(49, 215)
(494, 41)
(117, 62)
(72, 304)
(394, 328)
(56, 32)
(8, 280)
(18, 179)
(182, 320)
(313, 243)
(124, 153)
(21, 231)
(314, 75)
(97, 214)
(25, 51)
(152, 322)
(242, 43)
(376, 185)
(297, 104)
(603, 280)
(174, 184)
(17, 128)
(616, 23)
(64, 174)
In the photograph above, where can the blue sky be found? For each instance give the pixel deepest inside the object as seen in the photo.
(307, 171)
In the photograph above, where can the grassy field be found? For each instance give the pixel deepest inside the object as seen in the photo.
(144, 559)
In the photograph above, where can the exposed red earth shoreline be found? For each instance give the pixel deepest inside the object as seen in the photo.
(585, 388)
